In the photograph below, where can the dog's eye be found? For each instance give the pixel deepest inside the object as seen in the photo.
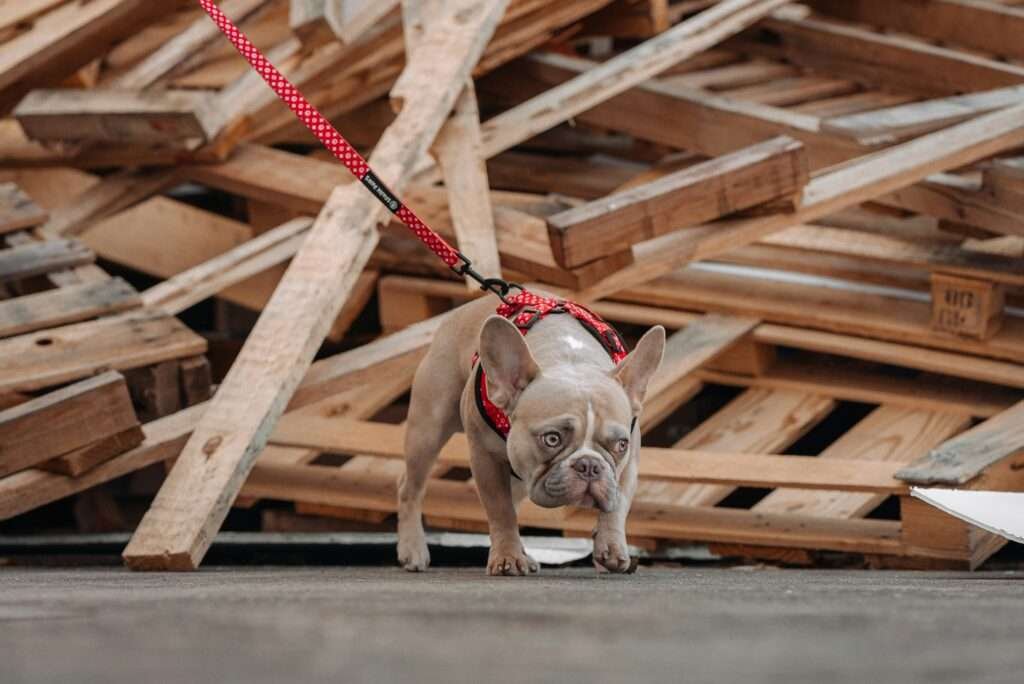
(552, 440)
(621, 446)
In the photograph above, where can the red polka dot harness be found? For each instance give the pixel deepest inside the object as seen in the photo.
(525, 309)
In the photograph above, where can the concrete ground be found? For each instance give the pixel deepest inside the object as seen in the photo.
(382, 625)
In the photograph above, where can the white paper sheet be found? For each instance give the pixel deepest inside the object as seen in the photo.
(1001, 513)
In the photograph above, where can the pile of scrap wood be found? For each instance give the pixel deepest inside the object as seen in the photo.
(823, 201)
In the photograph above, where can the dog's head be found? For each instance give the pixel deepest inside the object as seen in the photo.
(570, 436)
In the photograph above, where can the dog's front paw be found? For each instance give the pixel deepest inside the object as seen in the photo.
(611, 555)
(413, 553)
(510, 562)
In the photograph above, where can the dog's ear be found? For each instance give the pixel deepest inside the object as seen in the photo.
(636, 370)
(507, 362)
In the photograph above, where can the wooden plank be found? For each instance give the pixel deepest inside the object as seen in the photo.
(303, 184)
(41, 258)
(677, 465)
(908, 251)
(953, 364)
(64, 40)
(210, 277)
(107, 196)
(849, 184)
(64, 420)
(85, 458)
(894, 124)
(966, 456)
(182, 46)
(853, 381)
(13, 14)
(990, 27)
(773, 170)
(683, 118)
(961, 200)
(121, 116)
(17, 210)
(621, 73)
(885, 60)
(192, 504)
(893, 435)
(759, 421)
(66, 305)
(321, 484)
(49, 357)
(465, 173)
(29, 489)
(836, 309)
(685, 351)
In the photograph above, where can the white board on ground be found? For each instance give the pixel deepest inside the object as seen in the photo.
(1001, 513)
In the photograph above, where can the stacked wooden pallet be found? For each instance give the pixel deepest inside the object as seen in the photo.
(825, 201)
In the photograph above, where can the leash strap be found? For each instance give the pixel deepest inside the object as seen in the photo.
(327, 134)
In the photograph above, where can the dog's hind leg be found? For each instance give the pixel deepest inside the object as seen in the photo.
(433, 418)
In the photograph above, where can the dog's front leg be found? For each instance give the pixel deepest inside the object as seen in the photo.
(611, 552)
(493, 483)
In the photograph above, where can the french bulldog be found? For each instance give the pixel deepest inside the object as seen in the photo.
(573, 438)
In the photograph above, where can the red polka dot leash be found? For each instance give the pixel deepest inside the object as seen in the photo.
(326, 133)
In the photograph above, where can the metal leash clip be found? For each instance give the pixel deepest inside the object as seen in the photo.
(496, 286)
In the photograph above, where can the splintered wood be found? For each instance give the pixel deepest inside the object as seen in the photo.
(823, 202)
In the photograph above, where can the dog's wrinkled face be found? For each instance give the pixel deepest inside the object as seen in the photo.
(570, 425)
(570, 440)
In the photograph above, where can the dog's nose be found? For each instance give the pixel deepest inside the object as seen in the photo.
(589, 467)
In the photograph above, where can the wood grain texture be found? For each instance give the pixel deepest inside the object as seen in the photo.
(40, 258)
(64, 420)
(759, 421)
(45, 358)
(17, 210)
(894, 435)
(84, 459)
(773, 170)
(966, 456)
(65, 305)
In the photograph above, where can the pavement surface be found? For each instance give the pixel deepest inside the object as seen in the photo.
(382, 625)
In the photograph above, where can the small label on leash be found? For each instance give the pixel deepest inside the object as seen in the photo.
(377, 187)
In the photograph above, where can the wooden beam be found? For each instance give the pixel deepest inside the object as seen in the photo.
(65, 305)
(182, 46)
(885, 60)
(990, 27)
(836, 309)
(889, 434)
(848, 185)
(676, 465)
(49, 357)
(39, 258)
(64, 420)
(32, 488)
(69, 37)
(107, 196)
(119, 116)
(84, 459)
(759, 421)
(967, 455)
(773, 170)
(622, 72)
(209, 278)
(685, 118)
(192, 504)
(459, 155)
(894, 124)
(17, 210)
